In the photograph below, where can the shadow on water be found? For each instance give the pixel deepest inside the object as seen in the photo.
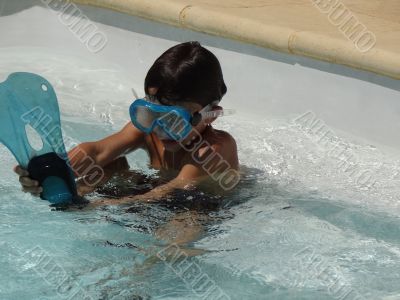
(197, 206)
(201, 201)
(208, 209)
(365, 223)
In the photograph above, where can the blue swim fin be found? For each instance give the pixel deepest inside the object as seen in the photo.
(29, 100)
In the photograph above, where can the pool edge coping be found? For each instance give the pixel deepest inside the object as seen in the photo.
(278, 38)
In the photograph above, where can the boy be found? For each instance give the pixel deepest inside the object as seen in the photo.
(187, 78)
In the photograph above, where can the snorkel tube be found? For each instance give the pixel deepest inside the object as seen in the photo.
(208, 113)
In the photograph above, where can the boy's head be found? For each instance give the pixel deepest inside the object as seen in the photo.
(189, 76)
(186, 72)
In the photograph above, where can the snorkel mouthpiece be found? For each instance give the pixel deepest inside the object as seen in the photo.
(55, 177)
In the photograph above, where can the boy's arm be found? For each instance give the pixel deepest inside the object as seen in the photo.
(87, 158)
(96, 162)
(221, 158)
(107, 150)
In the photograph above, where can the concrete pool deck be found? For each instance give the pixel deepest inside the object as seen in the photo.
(363, 34)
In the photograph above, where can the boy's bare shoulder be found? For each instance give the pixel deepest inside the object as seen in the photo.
(219, 139)
(221, 142)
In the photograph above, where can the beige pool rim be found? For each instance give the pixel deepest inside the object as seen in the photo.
(321, 29)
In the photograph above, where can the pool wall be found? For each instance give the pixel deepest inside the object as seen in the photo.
(361, 34)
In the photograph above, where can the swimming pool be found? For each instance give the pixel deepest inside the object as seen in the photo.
(316, 216)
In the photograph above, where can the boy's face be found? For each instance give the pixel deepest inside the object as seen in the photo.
(192, 107)
(172, 145)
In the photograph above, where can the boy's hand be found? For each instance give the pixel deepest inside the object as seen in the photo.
(28, 184)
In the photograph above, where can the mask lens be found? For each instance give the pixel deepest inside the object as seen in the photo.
(174, 125)
(161, 134)
(145, 117)
(174, 122)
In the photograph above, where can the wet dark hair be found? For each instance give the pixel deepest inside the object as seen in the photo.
(187, 72)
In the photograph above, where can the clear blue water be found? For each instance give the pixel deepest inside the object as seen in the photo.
(298, 227)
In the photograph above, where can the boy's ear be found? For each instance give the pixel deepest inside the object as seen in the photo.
(153, 91)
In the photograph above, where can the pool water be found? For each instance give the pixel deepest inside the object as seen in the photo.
(299, 226)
